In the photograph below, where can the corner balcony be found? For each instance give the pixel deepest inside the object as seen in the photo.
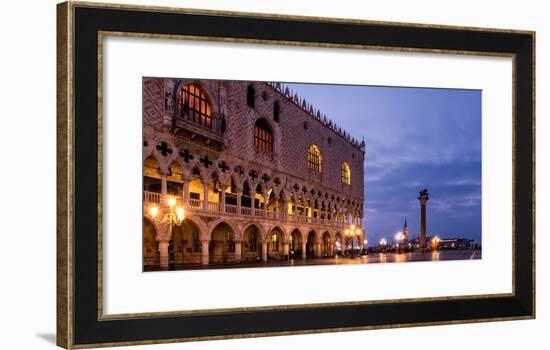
(198, 206)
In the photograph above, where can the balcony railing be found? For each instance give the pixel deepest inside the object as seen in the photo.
(197, 204)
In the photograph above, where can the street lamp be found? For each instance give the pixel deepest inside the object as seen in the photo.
(383, 242)
(169, 216)
(399, 237)
(351, 233)
(435, 243)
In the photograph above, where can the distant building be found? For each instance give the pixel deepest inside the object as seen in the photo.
(406, 231)
(456, 244)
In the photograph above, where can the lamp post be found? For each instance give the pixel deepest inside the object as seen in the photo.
(171, 215)
(435, 243)
(399, 237)
(351, 233)
(383, 242)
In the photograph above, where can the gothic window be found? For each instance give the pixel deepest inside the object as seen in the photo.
(250, 96)
(276, 111)
(346, 174)
(263, 136)
(314, 158)
(195, 105)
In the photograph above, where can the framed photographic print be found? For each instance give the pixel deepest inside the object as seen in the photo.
(227, 175)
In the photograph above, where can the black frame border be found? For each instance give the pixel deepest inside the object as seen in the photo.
(86, 329)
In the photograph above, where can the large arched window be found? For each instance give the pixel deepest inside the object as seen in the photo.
(195, 105)
(346, 174)
(263, 136)
(250, 96)
(314, 158)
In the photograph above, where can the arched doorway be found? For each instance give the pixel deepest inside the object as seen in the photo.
(186, 245)
(222, 244)
(295, 244)
(275, 245)
(151, 255)
(339, 244)
(310, 244)
(326, 246)
(252, 244)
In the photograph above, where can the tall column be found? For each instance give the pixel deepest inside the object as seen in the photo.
(205, 195)
(238, 251)
(204, 252)
(304, 246)
(264, 251)
(285, 210)
(163, 248)
(318, 251)
(423, 198)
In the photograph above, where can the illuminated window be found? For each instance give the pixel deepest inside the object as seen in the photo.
(195, 105)
(274, 242)
(263, 136)
(314, 158)
(346, 174)
(250, 96)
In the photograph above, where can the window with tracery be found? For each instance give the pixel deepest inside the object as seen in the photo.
(195, 106)
(346, 174)
(314, 158)
(263, 136)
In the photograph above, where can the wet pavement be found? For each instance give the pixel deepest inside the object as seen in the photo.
(373, 258)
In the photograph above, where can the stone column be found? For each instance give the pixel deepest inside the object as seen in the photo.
(205, 195)
(163, 184)
(222, 197)
(186, 193)
(318, 251)
(286, 250)
(304, 249)
(266, 199)
(238, 251)
(163, 248)
(204, 252)
(285, 210)
(423, 201)
(264, 251)
(239, 200)
(277, 209)
(253, 202)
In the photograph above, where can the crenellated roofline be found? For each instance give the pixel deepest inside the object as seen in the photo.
(315, 113)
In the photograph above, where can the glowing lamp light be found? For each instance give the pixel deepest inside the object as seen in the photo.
(180, 213)
(154, 211)
(171, 202)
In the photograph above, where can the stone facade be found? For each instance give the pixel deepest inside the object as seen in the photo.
(242, 202)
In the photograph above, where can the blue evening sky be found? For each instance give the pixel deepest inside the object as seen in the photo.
(415, 138)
